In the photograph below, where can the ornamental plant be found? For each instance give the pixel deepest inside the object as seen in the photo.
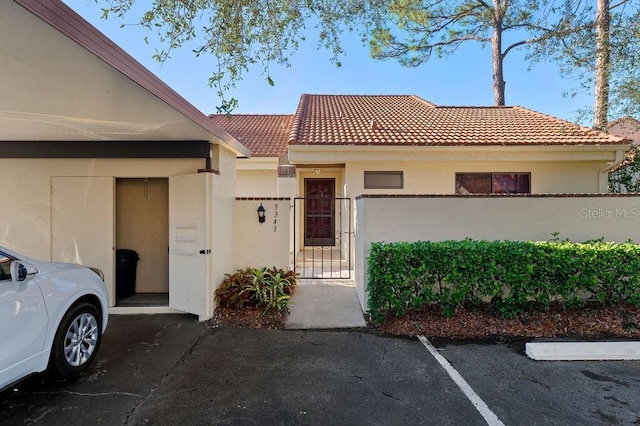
(268, 289)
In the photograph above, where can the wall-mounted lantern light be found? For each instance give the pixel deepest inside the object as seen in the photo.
(261, 211)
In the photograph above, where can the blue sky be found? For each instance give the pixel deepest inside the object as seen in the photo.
(461, 79)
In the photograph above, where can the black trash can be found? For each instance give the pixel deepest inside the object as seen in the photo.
(126, 265)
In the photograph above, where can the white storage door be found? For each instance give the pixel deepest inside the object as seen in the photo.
(190, 244)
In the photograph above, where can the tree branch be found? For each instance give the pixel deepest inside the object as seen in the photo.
(517, 44)
(613, 6)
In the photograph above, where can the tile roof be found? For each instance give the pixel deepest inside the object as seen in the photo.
(625, 127)
(264, 135)
(409, 120)
(625, 120)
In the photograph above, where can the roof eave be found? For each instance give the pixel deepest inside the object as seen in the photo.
(66, 21)
(307, 154)
(458, 147)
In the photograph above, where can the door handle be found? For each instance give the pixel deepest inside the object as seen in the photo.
(205, 251)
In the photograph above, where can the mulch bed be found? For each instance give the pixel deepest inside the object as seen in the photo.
(247, 317)
(586, 323)
(620, 321)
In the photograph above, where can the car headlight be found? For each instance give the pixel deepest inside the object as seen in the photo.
(98, 272)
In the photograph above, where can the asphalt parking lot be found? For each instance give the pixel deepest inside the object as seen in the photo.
(171, 369)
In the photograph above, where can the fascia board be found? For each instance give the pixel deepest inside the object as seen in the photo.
(323, 154)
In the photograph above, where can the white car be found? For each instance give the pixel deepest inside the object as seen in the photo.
(52, 316)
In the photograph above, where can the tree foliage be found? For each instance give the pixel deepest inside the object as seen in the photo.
(416, 29)
(240, 33)
(598, 42)
(626, 178)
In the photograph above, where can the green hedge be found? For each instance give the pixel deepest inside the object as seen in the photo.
(512, 276)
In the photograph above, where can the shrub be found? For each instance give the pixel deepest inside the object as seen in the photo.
(269, 289)
(510, 276)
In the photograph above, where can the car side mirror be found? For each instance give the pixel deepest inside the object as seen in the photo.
(20, 271)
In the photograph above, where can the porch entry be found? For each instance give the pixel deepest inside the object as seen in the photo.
(319, 212)
(323, 251)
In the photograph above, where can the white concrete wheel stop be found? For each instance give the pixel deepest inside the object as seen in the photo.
(583, 351)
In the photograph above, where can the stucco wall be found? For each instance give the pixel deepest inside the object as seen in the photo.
(416, 218)
(82, 223)
(549, 175)
(25, 224)
(257, 183)
(222, 236)
(262, 244)
(439, 177)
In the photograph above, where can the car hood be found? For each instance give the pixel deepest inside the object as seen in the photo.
(61, 265)
(42, 265)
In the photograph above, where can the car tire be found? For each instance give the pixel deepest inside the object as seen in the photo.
(76, 342)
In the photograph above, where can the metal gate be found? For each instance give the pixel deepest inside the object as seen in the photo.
(322, 230)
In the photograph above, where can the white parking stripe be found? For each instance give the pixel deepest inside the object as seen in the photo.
(483, 409)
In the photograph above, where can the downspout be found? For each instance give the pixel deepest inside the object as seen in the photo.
(603, 186)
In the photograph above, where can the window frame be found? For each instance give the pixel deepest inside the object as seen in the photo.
(399, 173)
(491, 181)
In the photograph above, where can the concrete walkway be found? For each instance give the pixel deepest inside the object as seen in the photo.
(325, 305)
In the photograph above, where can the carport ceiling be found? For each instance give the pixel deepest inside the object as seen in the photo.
(63, 80)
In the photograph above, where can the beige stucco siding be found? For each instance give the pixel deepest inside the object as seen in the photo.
(222, 236)
(25, 224)
(53, 88)
(257, 183)
(262, 244)
(429, 177)
(553, 168)
(439, 177)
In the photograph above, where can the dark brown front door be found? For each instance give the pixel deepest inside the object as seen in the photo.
(319, 212)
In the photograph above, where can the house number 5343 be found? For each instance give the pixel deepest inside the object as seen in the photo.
(275, 217)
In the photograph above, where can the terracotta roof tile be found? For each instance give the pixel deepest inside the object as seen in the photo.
(625, 127)
(264, 135)
(409, 120)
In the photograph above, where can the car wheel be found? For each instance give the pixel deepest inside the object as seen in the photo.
(76, 342)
